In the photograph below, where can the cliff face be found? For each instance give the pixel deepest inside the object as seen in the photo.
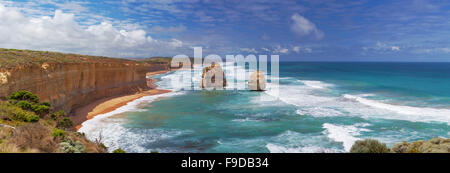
(71, 85)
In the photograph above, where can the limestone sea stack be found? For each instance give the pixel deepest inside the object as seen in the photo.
(257, 81)
(213, 77)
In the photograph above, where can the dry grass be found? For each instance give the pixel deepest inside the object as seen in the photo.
(12, 148)
(8, 147)
(35, 136)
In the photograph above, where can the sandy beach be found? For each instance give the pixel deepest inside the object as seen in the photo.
(109, 104)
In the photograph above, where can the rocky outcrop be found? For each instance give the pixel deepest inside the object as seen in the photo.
(213, 77)
(435, 145)
(70, 85)
(257, 81)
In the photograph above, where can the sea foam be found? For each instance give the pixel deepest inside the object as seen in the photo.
(111, 129)
(345, 134)
(310, 100)
(420, 114)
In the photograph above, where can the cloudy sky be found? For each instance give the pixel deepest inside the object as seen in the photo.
(304, 30)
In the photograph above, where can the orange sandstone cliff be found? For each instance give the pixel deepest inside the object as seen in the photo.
(75, 83)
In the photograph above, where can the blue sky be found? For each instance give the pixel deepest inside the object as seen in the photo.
(308, 30)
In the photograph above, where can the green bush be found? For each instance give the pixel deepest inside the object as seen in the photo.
(13, 112)
(58, 133)
(154, 151)
(19, 114)
(369, 146)
(24, 95)
(25, 105)
(71, 146)
(64, 123)
(46, 104)
(41, 109)
(119, 151)
(57, 115)
(32, 118)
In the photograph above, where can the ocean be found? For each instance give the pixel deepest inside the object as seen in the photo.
(322, 107)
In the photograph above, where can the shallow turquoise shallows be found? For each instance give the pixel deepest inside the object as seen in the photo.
(322, 107)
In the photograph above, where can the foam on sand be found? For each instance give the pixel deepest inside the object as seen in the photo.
(97, 124)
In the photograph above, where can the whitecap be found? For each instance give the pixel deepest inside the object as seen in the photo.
(420, 114)
(316, 84)
(345, 134)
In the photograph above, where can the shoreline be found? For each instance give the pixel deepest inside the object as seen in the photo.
(110, 104)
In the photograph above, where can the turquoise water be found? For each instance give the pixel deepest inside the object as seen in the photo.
(322, 107)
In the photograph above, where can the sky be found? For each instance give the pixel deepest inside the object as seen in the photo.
(303, 30)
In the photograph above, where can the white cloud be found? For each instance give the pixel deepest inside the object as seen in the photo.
(395, 48)
(253, 50)
(176, 43)
(284, 50)
(304, 27)
(279, 49)
(382, 47)
(62, 32)
(296, 49)
(434, 50)
(308, 50)
(173, 29)
(299, 49)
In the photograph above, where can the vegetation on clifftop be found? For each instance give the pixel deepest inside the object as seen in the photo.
(27, 125)
(435, 145)
(14, 57)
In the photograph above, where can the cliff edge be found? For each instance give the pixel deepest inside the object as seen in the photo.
(69, 81)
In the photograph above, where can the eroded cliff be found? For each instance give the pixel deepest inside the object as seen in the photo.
(68, 85)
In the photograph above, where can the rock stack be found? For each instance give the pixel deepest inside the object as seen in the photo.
(257, 81)
(211, 77)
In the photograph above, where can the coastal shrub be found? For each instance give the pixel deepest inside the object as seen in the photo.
(119, 150)
(369, 146)
(154, 151)
(64, 123)
(72, 146)
(24, 95)
(41, 109)
(58, 133)
(57, 115)
(46, 104)
(18, 114)
(32, 118)
(25, 105)
(4, 111)
(435, 145)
